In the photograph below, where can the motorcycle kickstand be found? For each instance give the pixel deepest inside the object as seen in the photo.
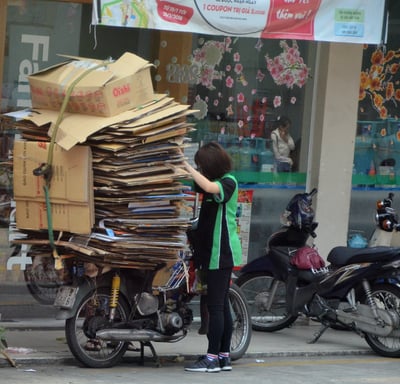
(318, 334)
(156, 358)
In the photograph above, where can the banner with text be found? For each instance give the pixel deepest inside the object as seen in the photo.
(351, 21)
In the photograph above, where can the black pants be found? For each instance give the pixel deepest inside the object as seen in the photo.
(220, 318)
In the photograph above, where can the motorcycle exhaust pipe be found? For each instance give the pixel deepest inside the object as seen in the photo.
(139, 335)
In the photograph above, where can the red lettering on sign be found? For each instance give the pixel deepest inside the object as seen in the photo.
(174, 13)
(294, 19)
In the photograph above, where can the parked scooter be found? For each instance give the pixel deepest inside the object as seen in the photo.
(266, 295)
(357, 291)
(387, 230)
(115, 308)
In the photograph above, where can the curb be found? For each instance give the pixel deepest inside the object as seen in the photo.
(70, 360)
(66, 358)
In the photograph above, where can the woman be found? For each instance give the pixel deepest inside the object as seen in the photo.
(282, 145)
(218, 249)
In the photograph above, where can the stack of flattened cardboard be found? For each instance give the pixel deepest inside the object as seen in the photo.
(138, 194)
(128, 165)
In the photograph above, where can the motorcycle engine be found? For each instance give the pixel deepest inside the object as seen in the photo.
(174, 320)
(146, 303)
(319, 307)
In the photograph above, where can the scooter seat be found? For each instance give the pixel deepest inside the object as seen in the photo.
(341, 255)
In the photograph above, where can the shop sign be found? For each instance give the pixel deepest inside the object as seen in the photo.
(29, 49)
(351, 21)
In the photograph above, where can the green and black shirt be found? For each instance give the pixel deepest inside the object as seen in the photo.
(218, 244)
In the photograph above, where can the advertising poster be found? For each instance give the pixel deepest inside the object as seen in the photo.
(353, 21)
(243, 215)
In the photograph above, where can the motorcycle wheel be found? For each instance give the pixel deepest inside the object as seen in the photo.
(386, 297)
(257, 290)
(241, 334)
(42, 281)
(92, 315)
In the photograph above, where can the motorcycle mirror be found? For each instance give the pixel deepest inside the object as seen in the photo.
(313, 192)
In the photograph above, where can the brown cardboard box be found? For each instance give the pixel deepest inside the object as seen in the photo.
(32, 215)
(71, 188)
(71, 178)
(106, 91)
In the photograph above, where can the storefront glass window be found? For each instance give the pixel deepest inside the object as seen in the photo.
(240, 87)
(377, 144)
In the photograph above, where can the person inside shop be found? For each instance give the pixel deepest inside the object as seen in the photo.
(282, 145)
(218, 250)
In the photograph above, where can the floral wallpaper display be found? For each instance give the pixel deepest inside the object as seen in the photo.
(377, 145)
(380, 81)
(240, 83)
(242, 92)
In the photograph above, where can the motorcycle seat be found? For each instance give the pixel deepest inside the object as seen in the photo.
(341, 255)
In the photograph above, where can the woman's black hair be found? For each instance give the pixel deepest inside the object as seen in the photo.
(282, 121)
(213, 161)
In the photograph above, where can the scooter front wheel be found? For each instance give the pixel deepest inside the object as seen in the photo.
(386, 297)
(80, 331)
(266, 298)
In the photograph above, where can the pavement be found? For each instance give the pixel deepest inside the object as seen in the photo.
(42, 341)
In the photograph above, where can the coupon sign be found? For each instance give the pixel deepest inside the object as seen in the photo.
(237, 17)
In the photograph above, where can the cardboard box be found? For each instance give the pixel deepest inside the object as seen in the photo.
(106, 91)
(72, 180)
(32, 215)
(71, 187)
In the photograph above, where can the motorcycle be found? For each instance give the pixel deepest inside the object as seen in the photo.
(106, 310)
(387, 230)
(357, 291)
(266, 295)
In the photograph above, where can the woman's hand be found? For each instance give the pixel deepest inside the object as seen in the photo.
(284, 134)
(202, 181)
